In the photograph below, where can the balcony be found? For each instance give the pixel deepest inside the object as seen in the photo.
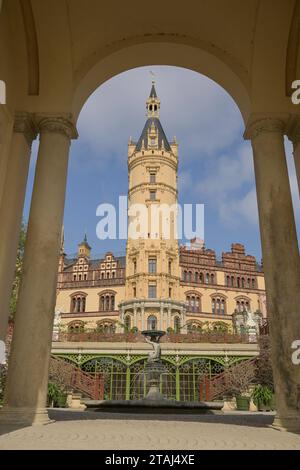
(91, 283)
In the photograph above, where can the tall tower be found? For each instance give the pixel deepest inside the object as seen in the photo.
(152, 293)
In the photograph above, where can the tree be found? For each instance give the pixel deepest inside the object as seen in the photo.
(18, 272)
(240, 376)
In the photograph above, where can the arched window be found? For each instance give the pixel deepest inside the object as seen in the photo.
(238, 282)
(106, 327)
(78, 303)
(232, 281)
(193, 301)
(107, 301)
(190, 276)
(218, 305)
(196, 277)
(243, 282)
(76, 327)
(127, 322)
(152, 322)
(212, 278)
(201, 277)
(176, 324)
(253, 283)
(194, 327)
(243, 304)
(228, 281)
(207, 278)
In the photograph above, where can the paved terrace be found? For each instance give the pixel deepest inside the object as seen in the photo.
(90, 430)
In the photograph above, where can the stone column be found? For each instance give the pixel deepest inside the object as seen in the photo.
(143, 317)
(11, 208)
(161, 317)
(134, 316)
(183, 319)
(26, 388)
(6, 129)
(169, 321)
(294, 136)
(281, 263)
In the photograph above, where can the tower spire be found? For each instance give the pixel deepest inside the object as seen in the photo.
(153, 103)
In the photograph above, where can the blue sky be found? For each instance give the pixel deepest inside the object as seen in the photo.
(215, 163)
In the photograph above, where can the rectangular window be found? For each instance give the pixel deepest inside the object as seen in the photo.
(152, 178)
(152, 291)
(152, 195)
(152, 265)
(170, 267)
(134, 266)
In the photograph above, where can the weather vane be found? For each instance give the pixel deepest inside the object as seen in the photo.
(153, 76)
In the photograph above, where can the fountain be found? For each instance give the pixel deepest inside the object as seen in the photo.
(154, 401)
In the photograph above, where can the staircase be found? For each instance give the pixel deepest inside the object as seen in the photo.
(67, 374)
(219, 385)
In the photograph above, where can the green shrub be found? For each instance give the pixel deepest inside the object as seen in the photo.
(262, 395)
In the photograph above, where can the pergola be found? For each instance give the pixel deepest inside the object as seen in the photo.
(53, 55)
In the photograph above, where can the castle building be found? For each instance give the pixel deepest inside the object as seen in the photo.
(158, 284)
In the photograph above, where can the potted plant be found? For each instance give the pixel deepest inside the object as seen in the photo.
(53, 392)
(61, 400)
(239, 377)
(262, 397)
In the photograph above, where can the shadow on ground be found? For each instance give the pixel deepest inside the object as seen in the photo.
(235, 418)
(231, 418)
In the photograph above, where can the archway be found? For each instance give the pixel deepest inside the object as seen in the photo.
(280, 252)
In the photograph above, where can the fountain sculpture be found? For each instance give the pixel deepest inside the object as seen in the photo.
(154, 401)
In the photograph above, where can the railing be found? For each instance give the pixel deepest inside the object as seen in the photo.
(118, 281)
(219, 385)
(70, 376)
(98, 313)
(205, 337)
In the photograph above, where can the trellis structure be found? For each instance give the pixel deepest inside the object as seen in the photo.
(125, 378)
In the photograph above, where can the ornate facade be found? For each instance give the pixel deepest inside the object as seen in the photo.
(158, 284)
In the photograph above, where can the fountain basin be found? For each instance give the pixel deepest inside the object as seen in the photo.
(157, 405)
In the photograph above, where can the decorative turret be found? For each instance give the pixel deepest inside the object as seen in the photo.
(84, 249)
(153, 103)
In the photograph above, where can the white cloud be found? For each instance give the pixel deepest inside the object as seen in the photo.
(192, 108)
(237, 212)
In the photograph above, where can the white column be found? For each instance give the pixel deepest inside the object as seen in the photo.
(143, 317)
(281, 263)
(26, 388)
(183, 320)
(11, 208)
(161, 317)
(169, 322)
